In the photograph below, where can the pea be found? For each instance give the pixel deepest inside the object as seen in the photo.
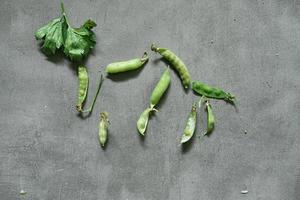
(156, 95)
(210, 119)
(128, 65)
(103, 128)
(160, 88)
(190, 125)
(83, 85)
(176, 62)
(212, 92)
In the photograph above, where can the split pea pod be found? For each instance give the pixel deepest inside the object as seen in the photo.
(156, 95)
(210, 119)
(103, 128)
(83, 85)
(143, 121)
(176, 62)
(190, 125)
(128, 65)
(212, 92)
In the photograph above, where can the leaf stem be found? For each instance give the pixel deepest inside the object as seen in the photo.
(90, 109)
(64, 13)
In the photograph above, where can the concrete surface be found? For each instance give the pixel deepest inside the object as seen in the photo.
(248, 47)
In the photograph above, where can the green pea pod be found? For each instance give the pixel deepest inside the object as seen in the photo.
(210, 119)
(128, 65)
(176, 62)
(103, 128)
(160, 88)
(83, 79)
(212, 92)
(83, 89)
(190, 125)
(156, 95)
(143, 121)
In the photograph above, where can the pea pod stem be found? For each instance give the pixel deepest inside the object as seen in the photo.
(90, 109)
(64, 13)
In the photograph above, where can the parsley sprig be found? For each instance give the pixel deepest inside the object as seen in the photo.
(76, 43)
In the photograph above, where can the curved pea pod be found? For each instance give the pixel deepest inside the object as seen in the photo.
(190, 125)
(160, 88)
(103, 128)
(176, 62)
(83, 86)
(83, 80)
(212, 92)
(210, 119)
(143, 121)
(128, 65)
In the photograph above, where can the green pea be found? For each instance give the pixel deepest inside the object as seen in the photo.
(156, 95)
(176, 62)
(160, 88)
(212, 92)
(83, 84)
(210, 119)
(128, 65)
(103, 128)
(190, 125)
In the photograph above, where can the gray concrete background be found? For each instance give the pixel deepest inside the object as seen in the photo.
(248, 47)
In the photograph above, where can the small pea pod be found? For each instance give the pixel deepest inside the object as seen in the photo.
(156, 95)
(160, 88)
(176, 62)
(190, 125)
(128, 65)
(212, 92)
(83, 89)
(103, 128)
(210, 119)
(83, 79)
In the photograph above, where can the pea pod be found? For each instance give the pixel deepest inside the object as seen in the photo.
(190, 125)
(83, 85)
(160, 88)
(210, 119)
(83, 79)
(103, 128)
(128, 65)
(176, 62)
(212, 92)
(156, 95)
(143, 121)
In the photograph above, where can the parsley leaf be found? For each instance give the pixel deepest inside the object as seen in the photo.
(75, 42)
(79, 41)
(52, 34)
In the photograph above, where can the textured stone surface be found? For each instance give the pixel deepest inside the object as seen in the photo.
(248, 47)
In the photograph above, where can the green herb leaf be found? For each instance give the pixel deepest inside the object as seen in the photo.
(76, 42)
(79, 41)
(52, 34)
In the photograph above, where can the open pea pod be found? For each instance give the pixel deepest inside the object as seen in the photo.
(210, 119)
(190, 125)
(212, 92)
